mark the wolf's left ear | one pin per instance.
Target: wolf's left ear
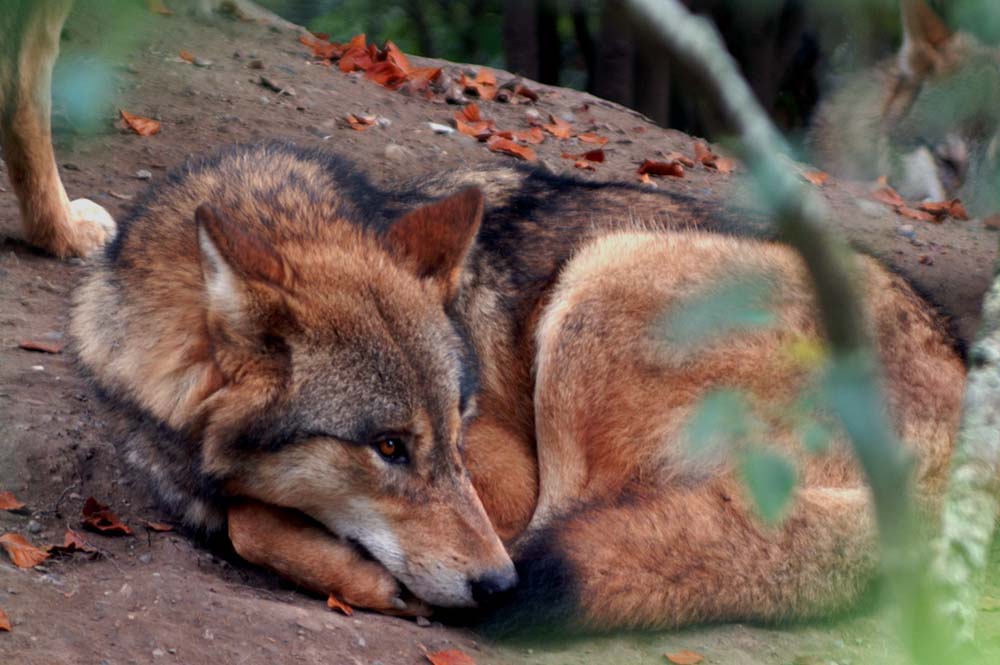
(924, 37)
(435, 239)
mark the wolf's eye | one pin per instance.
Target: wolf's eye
(392, 448)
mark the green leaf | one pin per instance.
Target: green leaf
(722, 418)
(770, 478)
(732, 304)
(816, 437)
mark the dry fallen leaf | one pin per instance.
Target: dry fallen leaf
(21, 552)
(484, 85)
(360, 122)
(590, 156)
(723, 165)
(817, 178)
(952, 208)
(680, 157)
(40, 347)
(500, 144)
(159, 527)
(139, 125)
(644, 179)
(883, 193)
(661, 168)
(469, 113)
(97, 517)
(534, 135)
(186, 56)
(684, 657)
(919, 215)
(592, 138)
(559, 128)
(4, 622)
(702, 153)
(450, 657)
(526, 92)
(72, 542)
(583, 164)
(335, 603)
(9, 502)
(157, 7)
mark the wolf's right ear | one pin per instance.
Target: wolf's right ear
(232, 260)
(924, 37)
(435, 239)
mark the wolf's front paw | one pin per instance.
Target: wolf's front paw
(90, 228)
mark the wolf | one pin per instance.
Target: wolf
(928, 119)
(29, 46)
(456, 392)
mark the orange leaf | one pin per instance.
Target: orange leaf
(481, 130)
(958, 210)
(883, 193)
(41, 347)
(533, 135)
(702, 153)
(159, 527)
(524, 91)
(484, 85)
(397, 57)
(953, 208)
(582, 164)
(559, 128)
(500, 144)
(386, 73)
(723, 164)
(592, 155)
(680, 157)
(157, 7)
(21, 552)
(419, 78)
(450, 657)
(661, 168)
(817, 178)
(4, 622)
(592, 138)
(97, 517)
(644, 179)
(335, 603)
(469, 113)
(919, 215)
(9, 502)
(360, 122)
(139, 125)
(187, 56)
(684, 657)
(72, 542)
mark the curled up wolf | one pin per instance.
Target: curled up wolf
(457, 393)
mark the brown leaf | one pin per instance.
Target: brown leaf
(360, 122)
(72, 542)
(186, 56)
(817, 178)
(500, 144)
(139, 125)
(157, 7)
(723, 165)
(21, 552)
(952, 208)
(590, 156)
(481, 130)
(9, 502)
(592, 138)
(484, 85)
(533, 135)
(450, 657)
(958, 210)
(583, 164)
(661, 168)
(40, 347)
(644, 179)
(159, 527)
(684, 657)
(335, 603)
(919, 215)
(525, 91)
(469, 113)
(883, 193)
(97, 517)
(702, 153)
(559, 128)
(4, 622)
(386, 73)
(680, 157)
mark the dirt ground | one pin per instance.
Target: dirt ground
(161, 597)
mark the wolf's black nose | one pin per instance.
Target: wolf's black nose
(493, 584)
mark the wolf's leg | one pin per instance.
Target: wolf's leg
(300, 551)
(29, 45)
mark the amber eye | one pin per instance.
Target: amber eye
(392, 448)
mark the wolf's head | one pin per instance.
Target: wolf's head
(345, 387)
(942, 114)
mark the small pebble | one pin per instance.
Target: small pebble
(441, 129)
(143, 174)
(423, 622)
(383, 122)
(201, 62)
(159, 653)
(907, 231)
(34, 527)
(361, 642)
(145, 558)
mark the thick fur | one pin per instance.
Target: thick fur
(928, 119)
(275, 314)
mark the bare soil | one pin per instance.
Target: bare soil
(162, 597)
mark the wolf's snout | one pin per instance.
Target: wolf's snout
(488, 587)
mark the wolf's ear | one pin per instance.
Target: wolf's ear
(924, 37)
(435, 239)
(232, 260)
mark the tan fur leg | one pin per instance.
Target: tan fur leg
(280, 539)
(30, 31)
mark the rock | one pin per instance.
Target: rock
(383, 122)
(907, 231)
(361, 642)
(201, 62)
(441, 129)
(143, 174)
(423, 622)
(208, 634)
(397, 152)
(145, 558)
(159, 653)
(33, 527)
